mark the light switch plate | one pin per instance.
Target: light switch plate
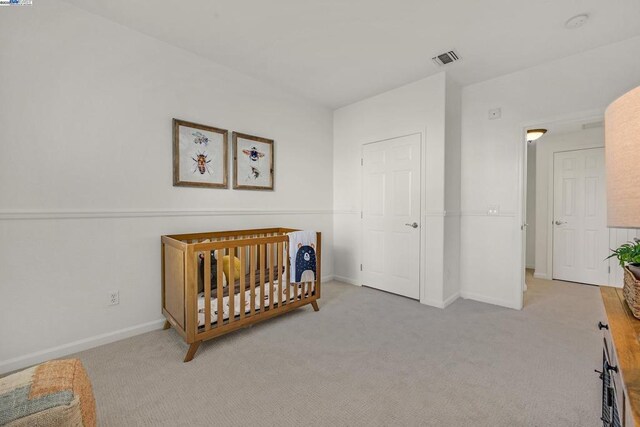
(493, 210)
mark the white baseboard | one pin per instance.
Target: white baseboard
(446, 303)
(489, 300)
(440, 304)
(34, 358)
(76, 346)
(537, 275)
(346, 280)
(431, 303)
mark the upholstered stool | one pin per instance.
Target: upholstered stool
(55, 393)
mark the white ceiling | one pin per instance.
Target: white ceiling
(572, 126)
(335, 52)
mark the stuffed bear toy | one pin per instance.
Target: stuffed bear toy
(213, 280)
(226, 266)
(306, 263)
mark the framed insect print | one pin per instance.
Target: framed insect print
(252, 162)
(200, 155)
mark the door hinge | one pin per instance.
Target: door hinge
(609, 268)
(361, 162)
(360, 267)
(361, 214)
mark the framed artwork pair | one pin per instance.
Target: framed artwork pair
(201, 158)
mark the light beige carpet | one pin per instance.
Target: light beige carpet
(369, 358)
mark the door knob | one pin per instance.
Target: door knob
(602, 326)
(560, 222)
(414, 225)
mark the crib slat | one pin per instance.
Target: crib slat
(252, 277)
(243, 265)
(232, 284)
(220, 290)
(207, 290)
(262, 256)
(279, 273)
(271, 284)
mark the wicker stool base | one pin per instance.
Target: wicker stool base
(631, 292)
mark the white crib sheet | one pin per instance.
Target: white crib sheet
(247, 299)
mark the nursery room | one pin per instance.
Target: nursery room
(319, 213)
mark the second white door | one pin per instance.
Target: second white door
(580, 234)
(391, 215)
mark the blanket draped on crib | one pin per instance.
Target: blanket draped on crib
(302, 256)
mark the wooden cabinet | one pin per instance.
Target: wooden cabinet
(621, 359)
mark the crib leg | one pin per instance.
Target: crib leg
(166, 326)
(314, 304)
(192, 351)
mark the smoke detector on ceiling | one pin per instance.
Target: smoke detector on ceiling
(446, 58)
(576, 21)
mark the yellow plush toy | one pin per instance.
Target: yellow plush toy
(236, 265)
(225, 268)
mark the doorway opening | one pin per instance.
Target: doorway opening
(564, 230)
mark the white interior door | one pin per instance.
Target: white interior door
(391, 215)
(580, 234)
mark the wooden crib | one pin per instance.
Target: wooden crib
(260, 252)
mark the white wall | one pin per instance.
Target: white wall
(86, 181)
(492, 153)
(415, 108)
(531, 206)
(547, 146)
(618, 236)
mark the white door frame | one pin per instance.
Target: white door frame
(521, 230)
(422, 266)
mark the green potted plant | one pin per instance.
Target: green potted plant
(629, 256)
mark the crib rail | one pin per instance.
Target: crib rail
(261, 290)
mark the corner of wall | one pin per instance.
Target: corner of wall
(452, 202)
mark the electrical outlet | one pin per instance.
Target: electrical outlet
(493, 210)
(495, 113)
(114, 297)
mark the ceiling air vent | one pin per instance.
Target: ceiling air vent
(593, 125)
(446, 58)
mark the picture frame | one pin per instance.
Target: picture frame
(200, 155)
(253, 162)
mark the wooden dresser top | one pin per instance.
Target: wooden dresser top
(625, 332)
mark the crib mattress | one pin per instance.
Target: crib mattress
(247, 299)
